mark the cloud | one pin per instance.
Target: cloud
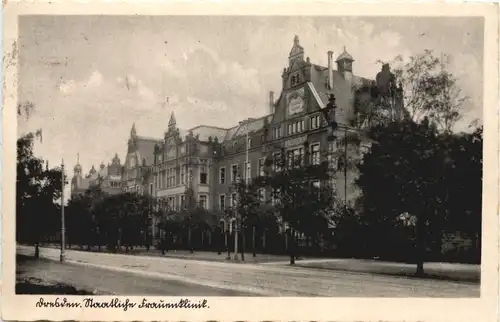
(67, 87)
(202, 69)
(95, 79)
(70, 86)
(205, 105)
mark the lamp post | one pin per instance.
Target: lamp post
(63, 226)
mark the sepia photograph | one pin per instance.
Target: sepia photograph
(211, 156)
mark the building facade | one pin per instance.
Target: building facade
(208, 160)
(108, 178)
(203, 163)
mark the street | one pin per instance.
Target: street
(132, 275)
(101, 281)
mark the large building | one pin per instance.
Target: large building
(108, 178)
(206, 160)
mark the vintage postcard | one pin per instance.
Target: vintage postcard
(250, 161)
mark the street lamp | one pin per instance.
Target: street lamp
(63, 226)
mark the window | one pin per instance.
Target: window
(262, 167)
(289, 158)
(314, 122)
(262, 194)
(183, 173)
(295, 157)
(203, 174)
(171, 203)
(296, 127)
(234, 200)
(275, 197)
(203, 200)
(249, 143)
(234, 172)
(277, 132)
(298, 157)
(222, 202)
(316, 185)
(315, 154)
(248, 171)
(162, 179)
(277, 161)
(170, 177)
(151, 189)
(222, 175)
(183, 201)
(332, 161)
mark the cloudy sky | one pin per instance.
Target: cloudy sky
(91, 77)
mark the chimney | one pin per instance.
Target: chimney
(271, 102)
(330, 70)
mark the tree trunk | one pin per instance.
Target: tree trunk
(227, 246)
(37, 250)
(209, 238)
(286, 243)
(242, 243)
(420, 245)
(264, 240)
(253, 242)
(189, 241)
(220, 243)
(202, 238)
(292, 248)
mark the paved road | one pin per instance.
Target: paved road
(265, 280)
(101, 281)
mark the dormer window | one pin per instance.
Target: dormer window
(295, 79)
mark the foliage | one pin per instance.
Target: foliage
(36, 188)
(414, 169)
(302, 194)
(426, 89)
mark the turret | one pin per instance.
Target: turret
(344, 64)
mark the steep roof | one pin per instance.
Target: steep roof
(205, 131)
(342, 89)
(145, 149)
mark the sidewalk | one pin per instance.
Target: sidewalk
(443, 271)
(196, 255)
(433, 270)
(260, 279)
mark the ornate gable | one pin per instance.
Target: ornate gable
(297, 51)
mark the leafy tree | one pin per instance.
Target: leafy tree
(36, 188)
(170, 222)
(302, 196)
(425, 87)
(418, 170)
(81, 223)
(247, 206)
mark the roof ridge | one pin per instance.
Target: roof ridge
(213, 127)
(148, 138)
